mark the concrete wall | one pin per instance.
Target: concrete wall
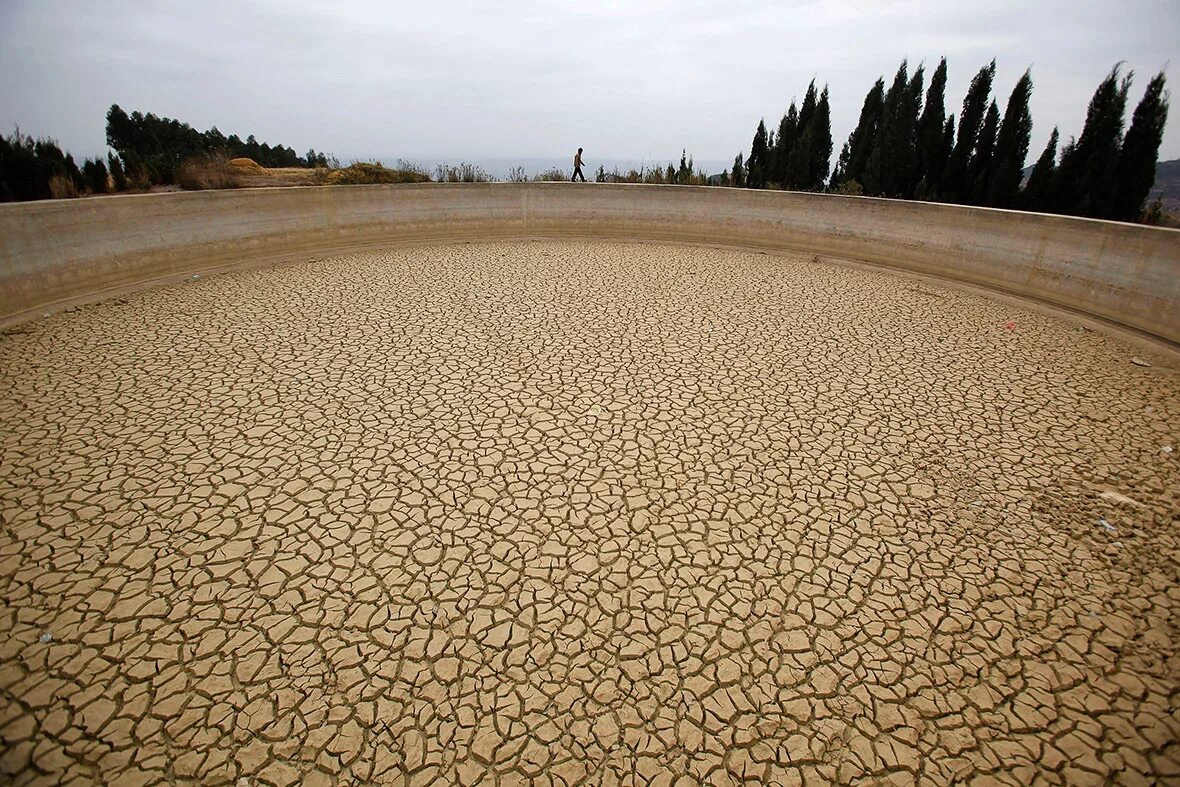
(58, 252)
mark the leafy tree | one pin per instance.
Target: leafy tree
(738, 176)
(1137, 161)
(1088, 173)
(855, 153)
(756, 164)
(22, 176)
(979, 168)
(313, 159)
(956, 186)
(94, 171)
(1011, 146)
(152, 148)
(931, 157)
(34, 168)
(118, 178)
(1037, 193)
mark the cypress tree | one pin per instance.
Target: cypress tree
(94, 173)
(756, 164)
(890, 167)
(879, 166)
(838, 172)
(797, 174)
(799, 162)
(908, 172)
(948, 137)
(855, 153)
(956, 185)
(820, 144)
(1066, 180)
(930, 156)
(787, 132)
(807, 111)
(1086, 177)
(769, 166)
(980, 168)
(1136, 170)
(1011, 146)
(1037, 192)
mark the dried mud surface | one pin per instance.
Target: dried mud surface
(582, 513)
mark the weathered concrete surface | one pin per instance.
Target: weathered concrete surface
(584, 513)
(59, 252)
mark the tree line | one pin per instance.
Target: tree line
(904, 146)
(907, 147)
(154, 147)
(148, 151)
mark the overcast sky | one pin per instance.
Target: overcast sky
(487, 79)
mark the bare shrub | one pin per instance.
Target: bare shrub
(552, 174)
(464, 173)
(850, 187)
(360, 173)
(417, 169)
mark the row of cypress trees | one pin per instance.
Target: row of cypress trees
(798, 156)
(907, 147)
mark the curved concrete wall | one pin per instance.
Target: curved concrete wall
(66, 251)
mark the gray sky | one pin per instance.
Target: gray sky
(449, 79)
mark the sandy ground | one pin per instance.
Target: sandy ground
(584, 514)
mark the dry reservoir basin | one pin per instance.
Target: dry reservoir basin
(565, 484)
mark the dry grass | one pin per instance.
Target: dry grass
(282, 176)
(364, 172)
(197, 174)
(245, 164)
(553, 174)
(62, 187)
(214, 173)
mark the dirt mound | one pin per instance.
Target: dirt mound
(245, 164)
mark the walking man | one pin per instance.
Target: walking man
(578, 167)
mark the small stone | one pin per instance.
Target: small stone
(1135, 359)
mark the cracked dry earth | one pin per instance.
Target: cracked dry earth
(584, 513)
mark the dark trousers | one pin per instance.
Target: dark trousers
(578, 174)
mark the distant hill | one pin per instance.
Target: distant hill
(1167, 184)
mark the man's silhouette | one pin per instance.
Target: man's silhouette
(578, 167)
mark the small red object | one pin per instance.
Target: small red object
(1010, 325)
